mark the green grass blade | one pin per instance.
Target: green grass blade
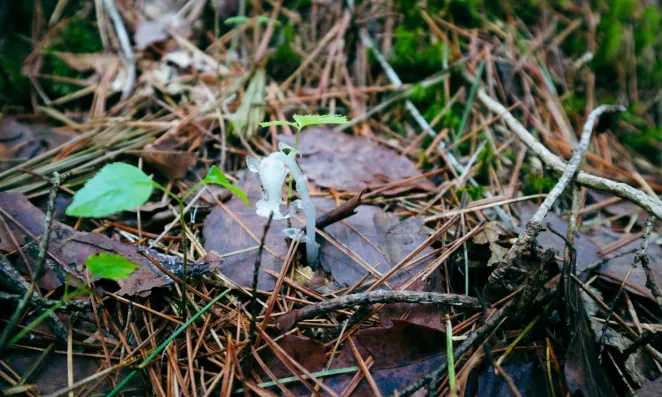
(293, 379)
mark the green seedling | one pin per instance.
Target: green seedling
(120, 187)
(302, 121)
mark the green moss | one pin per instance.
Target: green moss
(535, 184)
(647, 143)
(285, 60)
(475, 192)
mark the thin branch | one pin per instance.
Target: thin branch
(651, 204)
(125, 44)
(56, 325)
(535, 224)
(288, 320)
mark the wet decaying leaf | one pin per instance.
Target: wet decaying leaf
(20, 142)
(307, 352)
(529, 378)
(583, 370)
(638, 366)
(236, 229)
(336, 160)
(74, 248)
(401, 352)
(51, 375)
(381, 239)
(587, 250)
(619, 266)
(166, 159)
(141, 282)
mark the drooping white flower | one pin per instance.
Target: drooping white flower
(272, 173)
(273, 170)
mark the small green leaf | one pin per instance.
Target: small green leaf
(110, 266)
(236, 20)
(278, 122)
(117, 187)
(217, 177)
(315, 119)
(242, 19)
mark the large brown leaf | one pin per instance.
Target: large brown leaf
(22, 142)
(403, 353)
(374, 236)
(336, 160)
(72, 249)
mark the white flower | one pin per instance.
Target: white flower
(272, 173)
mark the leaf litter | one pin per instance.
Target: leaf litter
(201, 90)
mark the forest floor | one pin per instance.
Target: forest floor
(486, 201)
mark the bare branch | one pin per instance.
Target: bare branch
(651, 204)
(535, 224)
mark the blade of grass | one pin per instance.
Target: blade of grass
(291, 379)
(470, 100)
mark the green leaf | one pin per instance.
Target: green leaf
(110, 266)
(240, 20)
(278, 122)
(315, 119)
(236, 20)
(117, 187)
(217, 177)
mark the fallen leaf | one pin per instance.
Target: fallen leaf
(74, 249)
(638, 365)
(173, 163)
(340, 161)
(529, 379)
(583, 371)
(31, 221)
(148, 33)
(142, 281)
(251, 111)
(51, 375)
(650, 388)
(489, 234)
(617, 268)
(383, 239)
(20, 142)
(99, 62)
(587, 250)
(378, 238)
(498, 253)
(402, 354)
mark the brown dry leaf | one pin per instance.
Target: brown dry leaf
(383, 240)
(489, 234)
(587, 250)
(402, 353)
(98, 62)
(618, 267)
(141, 282)
(236, 230)
(20, 142)
(173, 163)
(336, 160)
(74, 248)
